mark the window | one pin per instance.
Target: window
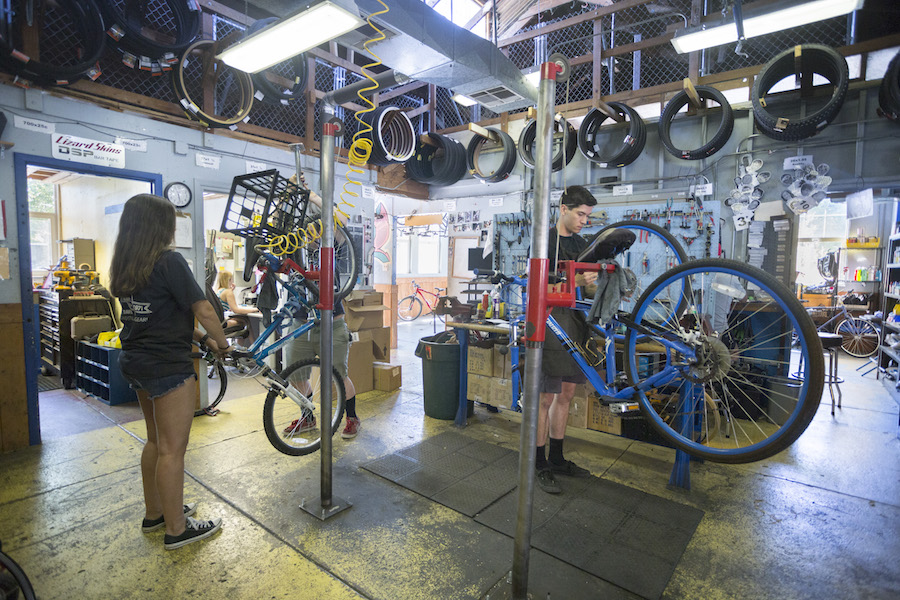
(42, 213)
(421, 251)
(820, 231)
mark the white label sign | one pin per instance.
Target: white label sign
(254, 166)
(496, 201)
(368, 191)
(704, 189)
(797, 162)
(622, 190)
(133, 145)
(34, 125)
(207, 161)
(449, 205)
(742, 220)
(67, 147)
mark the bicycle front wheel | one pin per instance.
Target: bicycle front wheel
(292, 417)
(860, 338)
(346, 258)
(722, 381)
(653, 253)
(409, 308)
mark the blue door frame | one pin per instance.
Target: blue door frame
(23, 227)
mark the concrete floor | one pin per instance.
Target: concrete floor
(820, 521)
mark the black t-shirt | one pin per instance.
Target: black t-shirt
(158, 322)
(557, 361)
(569, 247)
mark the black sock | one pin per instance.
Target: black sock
(556, 451)
(351, 407)
(540, 459)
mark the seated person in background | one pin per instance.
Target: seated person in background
(225, 281)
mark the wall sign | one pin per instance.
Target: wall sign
(76, 149)
(133, 145)
(797, 162)
(623, 190)
(207, 161)
(254, 166)
(34, 124)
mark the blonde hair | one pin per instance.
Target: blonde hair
(224, 279)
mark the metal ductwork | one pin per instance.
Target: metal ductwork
(423, 45)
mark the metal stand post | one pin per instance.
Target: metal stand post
(329, 505)
(536, 317)
(692, 402)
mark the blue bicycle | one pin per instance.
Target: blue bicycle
(707, 355)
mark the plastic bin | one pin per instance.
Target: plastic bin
(440, 376)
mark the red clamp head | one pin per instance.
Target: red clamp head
(549, 70)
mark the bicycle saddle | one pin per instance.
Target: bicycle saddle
(607, 244)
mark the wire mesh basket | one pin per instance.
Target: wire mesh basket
(264, 205)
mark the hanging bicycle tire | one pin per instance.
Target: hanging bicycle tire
(721, 387)
(718, 140)
(152, 39)
(393, 136)
(565, 151)
(508, 161)
(441, 163)
(815, 58)
(346, 258)
(69, 35)
(281, 83)
(294, 429)
(232, 95)
(656, 247)
(889, 91)
(632, 145)
(216, 385)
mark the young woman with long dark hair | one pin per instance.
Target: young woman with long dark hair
(160, 299)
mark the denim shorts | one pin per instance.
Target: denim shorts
(159, 386)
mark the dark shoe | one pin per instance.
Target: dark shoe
(569, 468)
(547, 482)
(194, 531)
(149, 525)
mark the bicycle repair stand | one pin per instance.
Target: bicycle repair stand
(328, 505)
(691, 395)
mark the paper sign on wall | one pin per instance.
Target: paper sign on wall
(83, 150)
(623, 190)
(133, 145)
(208, 161)
(797, 162)
(449, 205)
(254, 166)
(34, 124)
(368, 191)
(496, 202)
(704, 189)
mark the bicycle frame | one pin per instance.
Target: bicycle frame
(420, 291)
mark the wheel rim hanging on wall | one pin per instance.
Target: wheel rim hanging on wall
(233, 89)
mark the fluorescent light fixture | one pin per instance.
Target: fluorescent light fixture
(292, 35)
(464, 100)
(772, 18)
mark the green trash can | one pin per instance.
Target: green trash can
(440, 376)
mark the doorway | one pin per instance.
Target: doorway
(64, 208)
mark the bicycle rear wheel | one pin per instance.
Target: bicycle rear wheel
(718, 384)
(346, 258)
(216, 384)
(409, 308)
(292, 425)
(13, 579)
(652, 254)
(860, 337)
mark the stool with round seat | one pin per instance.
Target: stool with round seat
(831, 344)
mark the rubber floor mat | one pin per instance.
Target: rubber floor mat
(622, 535)
(47, 383)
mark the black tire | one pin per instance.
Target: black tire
(126, 23)
(632, 144)
(294, 71)
(217, 383)
(346, 259)
(393, 136)
(889, 91)
(718, 141)
(473, 150)
(816, 58)
(441, 164)
(409, 308)
(564, 153)
(20, 579)
(279, 410)
(739, 329)
(72, 40)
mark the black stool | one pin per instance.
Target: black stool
(831, 344)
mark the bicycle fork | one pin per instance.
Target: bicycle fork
(283, 387)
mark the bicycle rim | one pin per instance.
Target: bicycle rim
(216, 384)
(295, 429)
(737, 394)
(346, 260)
(21, 579)
(653, 253)
(409, 308)
(860, 338)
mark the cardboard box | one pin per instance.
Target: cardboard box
(360, 367)
(501, 393)
(502, 367)
(373, 298)
(578, 413)
(481, 361)
(387, 377)
(601, 419)
(478, 388)
(380, 338)
(364, 317)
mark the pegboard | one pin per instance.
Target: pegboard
(512, 232)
